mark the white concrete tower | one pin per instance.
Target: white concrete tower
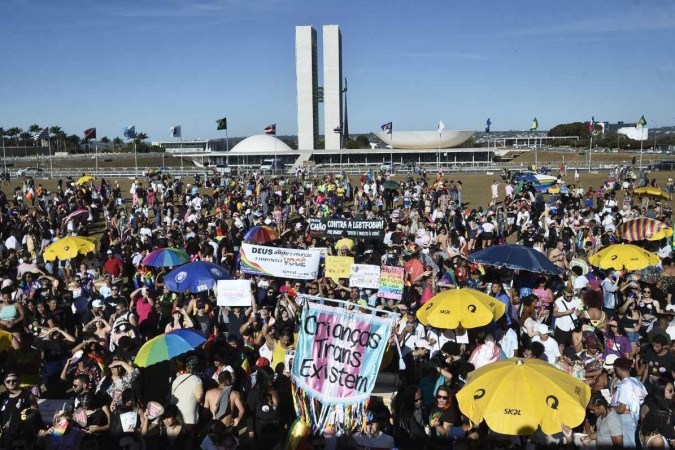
(307, 83)
(332, 85)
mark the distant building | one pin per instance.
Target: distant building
(196, 146)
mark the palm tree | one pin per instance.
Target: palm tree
(140, 137)
(55, 131)
(14, 132)
(74, 140)
(34, 130)
(105, 139)
(117, 143)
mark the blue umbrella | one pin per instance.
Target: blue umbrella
(514, 256)
(195, 277)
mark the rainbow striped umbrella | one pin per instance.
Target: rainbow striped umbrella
(166, 257)
(167, 346)
(261, 234)
(643, 228)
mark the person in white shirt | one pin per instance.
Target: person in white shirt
(495, 191)
(550, 344)
(565, 313)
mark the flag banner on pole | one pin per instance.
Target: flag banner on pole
(336, 362)
(488, 122)
(222, 124)
(42, 135)
(535, 125)
(271, 129)
(90, 133)
(642, 122)
(387, 127)
(441, 126)
(129, 132)
(176, 131)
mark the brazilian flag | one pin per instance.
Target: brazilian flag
(222, 124)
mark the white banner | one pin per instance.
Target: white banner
(233, 293)
(365, 276)
(290, 263)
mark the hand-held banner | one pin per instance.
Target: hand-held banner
(356, 229)
(391, 282)
(338, 353)
(290, 263)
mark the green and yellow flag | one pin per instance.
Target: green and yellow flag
(535, 125)
(222, 124)
(642, 122)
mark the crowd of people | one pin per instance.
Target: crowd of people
(73, 327)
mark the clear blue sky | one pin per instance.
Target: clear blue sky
(158, 63)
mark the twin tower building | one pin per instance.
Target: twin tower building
(310, 94)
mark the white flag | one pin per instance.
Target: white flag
(441, 126)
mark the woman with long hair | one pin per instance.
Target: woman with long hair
(443, 414)
(410, 418)
(171, 432)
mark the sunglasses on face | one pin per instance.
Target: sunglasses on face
(442, 397)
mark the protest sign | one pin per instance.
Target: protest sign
(233, 293)
(365, 276)
(356, 229)
(338, 354)
(290, 263)
(339, 266)
(391, 282)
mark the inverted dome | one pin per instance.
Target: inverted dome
(262, 143)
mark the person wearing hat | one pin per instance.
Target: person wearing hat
(627, 399)
(372, 436)
(550, 344)
(112, 265)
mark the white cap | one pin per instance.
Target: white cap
(423, 343)
(543, 329)
(98, 303)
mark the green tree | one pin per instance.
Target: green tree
(14, 132)
(25, 137)
(117, 143)
(55, 132)
(105, 139)
(73, 141)
(34, 130)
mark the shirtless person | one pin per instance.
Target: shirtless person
(224, 402)
(557, 255)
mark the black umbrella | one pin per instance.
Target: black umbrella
(389, 184)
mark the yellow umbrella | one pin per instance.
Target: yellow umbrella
(84, 179)
(516, 396)
(69, 247)
(466, 308)
(652, 192)
(5, 340)
(624, 256)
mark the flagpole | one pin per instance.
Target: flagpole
(51, 165)
(642, 139)
(96, 152)
(590, 154)
(4, 156)
(181, 153)
(135, 160)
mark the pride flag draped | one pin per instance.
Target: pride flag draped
(337, 358)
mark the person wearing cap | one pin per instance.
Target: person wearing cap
(112, 265)
(550, 344)
(627, 399)
(373, 437)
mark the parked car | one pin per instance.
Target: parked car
(388, 167)
(34, 172)
(272, 166)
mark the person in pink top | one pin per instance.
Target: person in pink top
(144, 306)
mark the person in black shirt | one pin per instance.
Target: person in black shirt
(658, 361)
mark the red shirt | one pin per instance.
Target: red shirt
(113, 266)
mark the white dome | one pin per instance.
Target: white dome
(261, 143)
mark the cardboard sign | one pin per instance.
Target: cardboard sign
(233, 293)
